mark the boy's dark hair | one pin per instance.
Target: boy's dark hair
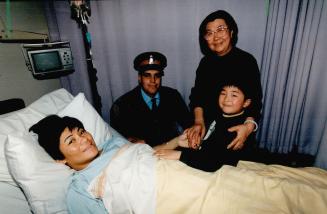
(219, 14)
(239, 83)
(49, 130)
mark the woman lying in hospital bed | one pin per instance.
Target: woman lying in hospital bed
(119, 177)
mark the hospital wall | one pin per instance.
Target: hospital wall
(16, 81)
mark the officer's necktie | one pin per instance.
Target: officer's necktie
(154, 104)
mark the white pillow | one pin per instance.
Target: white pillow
(81, 109)
(21, 120)
(34, 170)
(43, 181)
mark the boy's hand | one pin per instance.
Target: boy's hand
(169, 154)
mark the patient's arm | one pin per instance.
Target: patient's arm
(167, 150)
(170, 154)
(174, 143)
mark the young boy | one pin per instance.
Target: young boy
(216, 149)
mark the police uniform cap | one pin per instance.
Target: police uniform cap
(150, 61)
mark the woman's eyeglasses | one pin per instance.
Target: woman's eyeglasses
(220, 31)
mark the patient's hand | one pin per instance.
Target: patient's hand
(169, 154)
(183, 140)
(194, 135)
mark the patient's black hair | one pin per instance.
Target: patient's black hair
(49, 130)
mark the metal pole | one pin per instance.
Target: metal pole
(80, 13)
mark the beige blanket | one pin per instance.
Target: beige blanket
(137, 182)
(248, 188)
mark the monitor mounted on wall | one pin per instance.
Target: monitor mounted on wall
(48, 60)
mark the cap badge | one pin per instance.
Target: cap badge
(151, 61)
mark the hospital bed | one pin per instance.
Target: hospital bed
(31, 182)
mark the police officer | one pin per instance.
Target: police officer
(150, 113)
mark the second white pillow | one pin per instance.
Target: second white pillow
(81, 109)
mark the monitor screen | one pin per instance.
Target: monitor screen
(46, 61)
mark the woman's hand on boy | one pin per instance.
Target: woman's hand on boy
(243, 131)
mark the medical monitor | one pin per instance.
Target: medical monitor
(48, 60)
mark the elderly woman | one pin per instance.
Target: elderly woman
(117, 176)
(218, 34)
